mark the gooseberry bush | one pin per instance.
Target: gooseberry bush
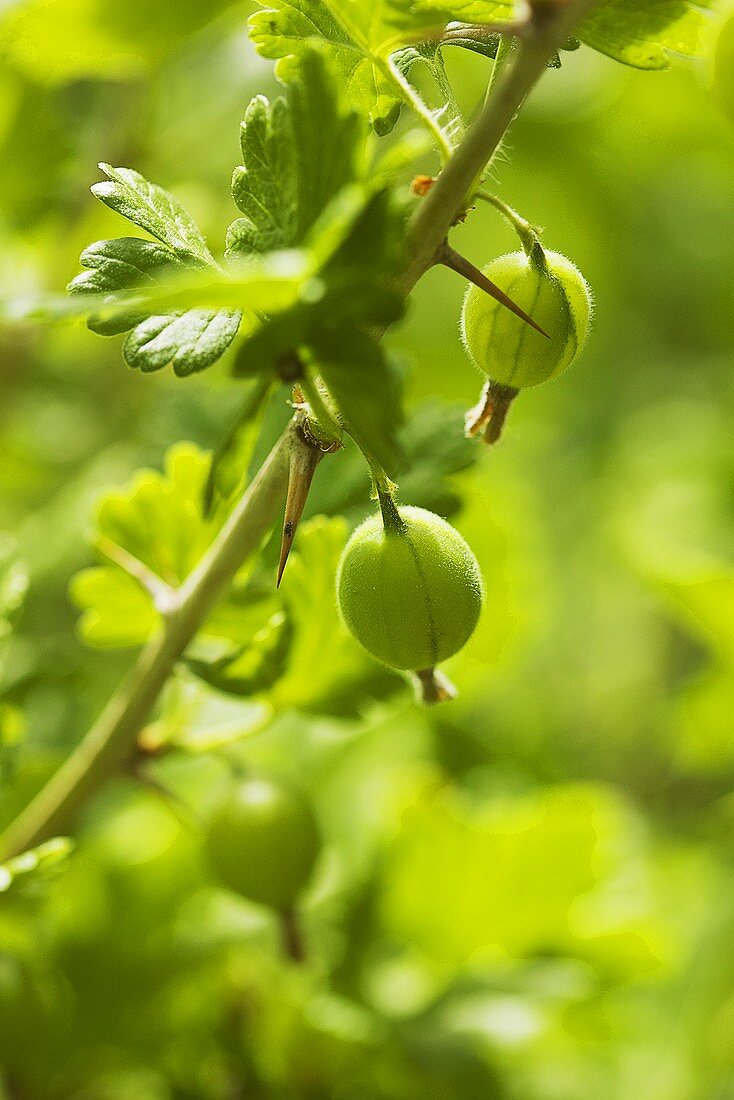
(352, 182)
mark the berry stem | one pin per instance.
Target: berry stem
(528, 234)
(294, 946)
(391, 518)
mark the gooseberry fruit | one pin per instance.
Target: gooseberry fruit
(263, 841)
(409, 588)
(553, 292)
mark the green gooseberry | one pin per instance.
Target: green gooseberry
(409, 588)
(262, 841)
(553, 292)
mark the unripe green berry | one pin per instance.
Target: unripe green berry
(263, 841)
(410, 592)
(557, 297)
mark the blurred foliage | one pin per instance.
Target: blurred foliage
(525, 894)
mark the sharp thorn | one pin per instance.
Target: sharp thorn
(449, 257)
(304, 459)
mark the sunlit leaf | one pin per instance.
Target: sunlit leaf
(298, 155)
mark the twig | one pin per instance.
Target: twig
(110, 744)
(447, 199)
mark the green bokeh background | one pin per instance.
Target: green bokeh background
(527, 893)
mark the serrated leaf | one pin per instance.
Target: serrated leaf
(265, 187)
(188, 340)
(117, 265)
(644, 35)
(298, 155)
(639, 34)
(359, 39)
(284, 31)
(330, 335)
(155, 210)
(157, 520)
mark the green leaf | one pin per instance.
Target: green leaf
(152, 533)
(116, 611)
(118, 265)
(286, 29)
(156, 211)
(188, 340)
(158, 521)
(298, 155)
(252, 667)
(639, 34)
(329, 332)
(366, 390)
(265, 188)
(644, 35)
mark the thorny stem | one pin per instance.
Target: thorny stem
(305, 457)
(452, 192)
(111, 741)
